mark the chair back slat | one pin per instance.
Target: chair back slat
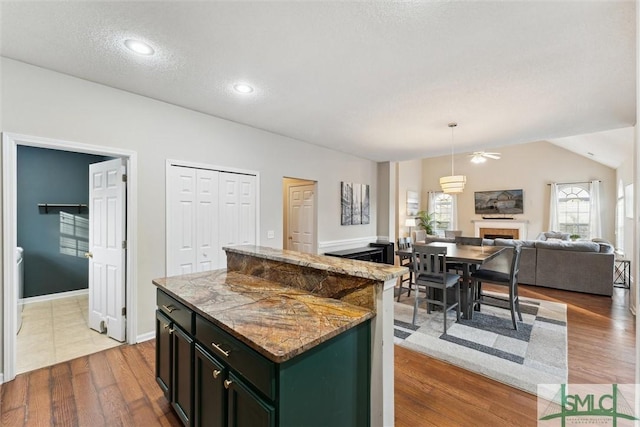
(404, 243)
(430, 262)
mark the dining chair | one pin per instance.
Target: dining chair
(405, 261)
(429, 269)
(471, 241)
(452, 233)
(508, 279)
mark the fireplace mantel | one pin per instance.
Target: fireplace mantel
(511, 224)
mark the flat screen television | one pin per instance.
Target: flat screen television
(499, 202)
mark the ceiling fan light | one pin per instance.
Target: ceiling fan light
(478, 159)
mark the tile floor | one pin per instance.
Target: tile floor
(55, 331)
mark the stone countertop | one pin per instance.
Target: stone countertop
(277, 321)
(364, 269)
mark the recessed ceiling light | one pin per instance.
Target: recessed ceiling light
(139, 47)
(242, 88)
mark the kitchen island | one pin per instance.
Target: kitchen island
(287, 333)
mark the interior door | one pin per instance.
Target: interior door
(192, 220)
(301, 218)
(237, 211)
(181, 221)
(208, 249)
(107, 205)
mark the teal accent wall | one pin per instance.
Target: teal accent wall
(53, 252)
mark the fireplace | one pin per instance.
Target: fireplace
(503, 229)
(499, 233)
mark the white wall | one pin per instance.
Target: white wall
(409, 179)
(529, 167)
(43, 103)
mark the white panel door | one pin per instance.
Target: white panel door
(107, 205)
(206, 236)
(247, 214)
(181, 221)
(237, 211)
(301, 219)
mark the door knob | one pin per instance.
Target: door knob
(88, 255)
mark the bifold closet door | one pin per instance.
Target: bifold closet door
(192, 223)
(237, 211)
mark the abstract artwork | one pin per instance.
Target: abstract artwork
(355, 205)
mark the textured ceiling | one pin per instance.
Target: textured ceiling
(380, 80)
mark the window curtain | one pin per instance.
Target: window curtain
(453, 225)
(431, 201)
(553, 208)
(595, 220)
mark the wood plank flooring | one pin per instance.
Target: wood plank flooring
(117, 386)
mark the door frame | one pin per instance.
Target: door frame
(10, 142)
(288, 182)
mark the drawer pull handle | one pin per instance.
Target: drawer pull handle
(216, 373)
(227, 383)
(171, 330)
(166, 326)
(170, 308)
(217, 347)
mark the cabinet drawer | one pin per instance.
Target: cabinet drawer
(254, 367)
(178, 312)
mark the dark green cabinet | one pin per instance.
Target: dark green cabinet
(182, 374)
(210, 396)
(174, 365)
(245, 408)
(163, 353)
(214, 380)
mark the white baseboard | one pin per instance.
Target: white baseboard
(336, 245)
(145, 337)
(59, 295)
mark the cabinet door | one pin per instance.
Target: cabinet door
(182, 374)
(210, 397)
(246, 409)
(163, 353)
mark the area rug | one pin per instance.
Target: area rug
(534, 354)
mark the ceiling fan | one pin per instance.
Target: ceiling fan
(482, 156)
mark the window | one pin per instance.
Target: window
(443, 211)
(620, 213)
(573, 209)
(74, 235)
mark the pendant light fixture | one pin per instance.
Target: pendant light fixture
(453, 183)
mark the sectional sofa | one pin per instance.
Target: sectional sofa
(580, 266)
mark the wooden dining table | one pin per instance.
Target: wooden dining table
(466, 255)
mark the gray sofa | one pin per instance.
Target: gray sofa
(580, 266)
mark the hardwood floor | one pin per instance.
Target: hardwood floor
(601, 349)
(117, 386)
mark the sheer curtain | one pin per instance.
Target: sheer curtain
(595, 221)
(453, 225)
(553, 208)
(431, 201)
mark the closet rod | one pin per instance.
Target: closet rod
(46, 206)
